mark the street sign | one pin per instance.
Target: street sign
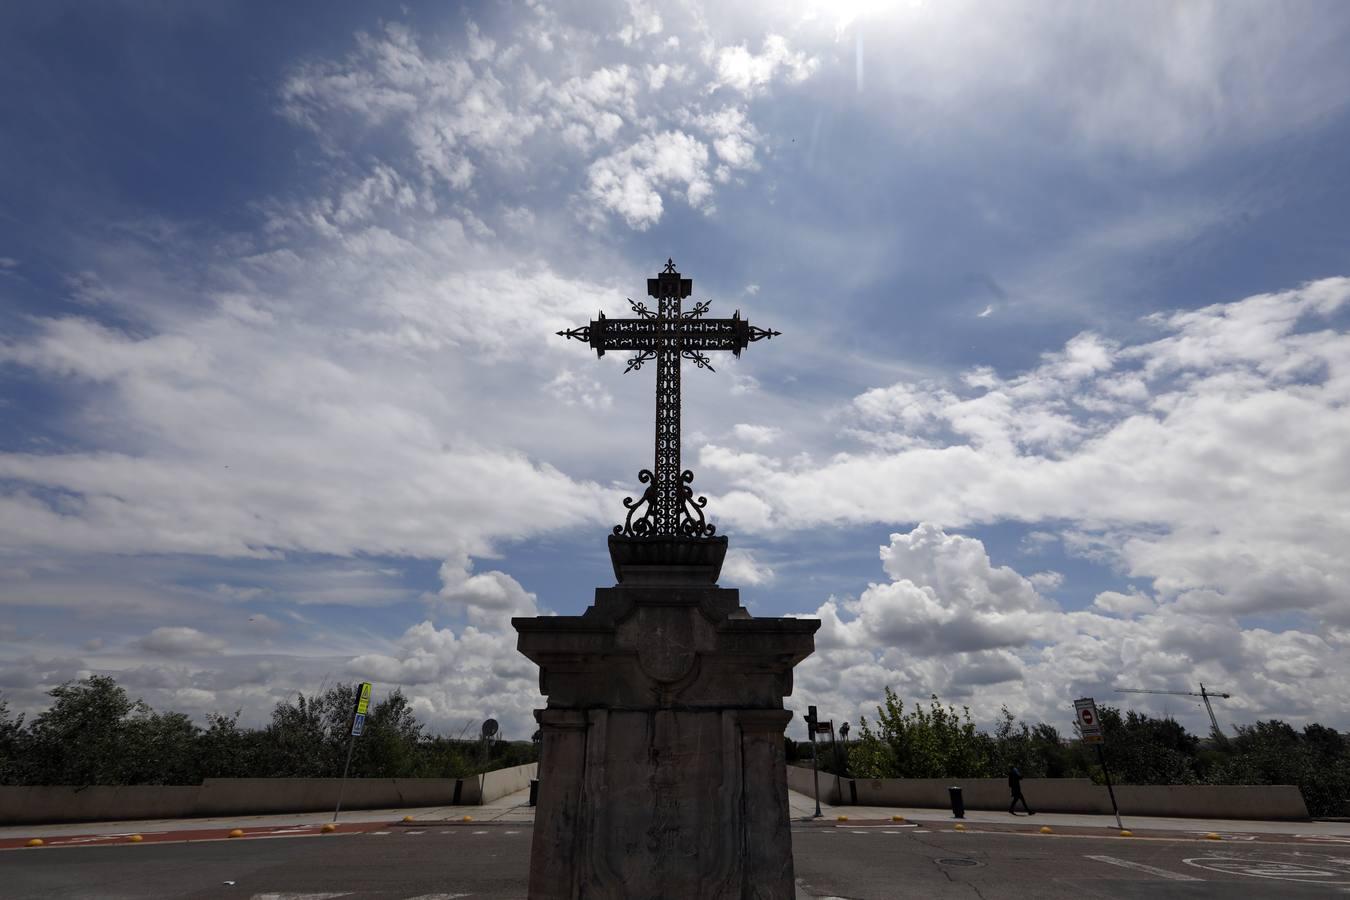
(1089, 723)
(363, 703)
(823, 727)
(358, 724)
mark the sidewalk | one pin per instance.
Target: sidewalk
(514, 809)
(803, 807)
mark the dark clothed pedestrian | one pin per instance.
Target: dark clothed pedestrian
(1015, 785)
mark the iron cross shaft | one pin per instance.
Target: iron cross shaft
(667, 507)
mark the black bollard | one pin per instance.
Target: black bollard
(534, 791)
(958, 803)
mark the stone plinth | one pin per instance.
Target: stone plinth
(662, 772)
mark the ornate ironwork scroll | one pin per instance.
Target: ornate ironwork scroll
(668, 508)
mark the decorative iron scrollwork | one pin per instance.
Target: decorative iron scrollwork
(577, 334)
(690, 521)
(668, 508)
(640, 308)
(637, 361)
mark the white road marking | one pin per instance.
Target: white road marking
(294, 896)
(513, 832)
(1152, 870)
(380, 832)
(480, 832)
(1277, 869)
(438, 896)
(414, 832)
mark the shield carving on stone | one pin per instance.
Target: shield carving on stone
(664, 637)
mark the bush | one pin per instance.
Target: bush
(93, 733)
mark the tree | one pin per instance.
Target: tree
(82, 738)
(389, 747)
(12, 740)
(1145, 750)
(937, 742)
(160, 748)
(224, 750)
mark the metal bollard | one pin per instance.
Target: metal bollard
(534, 791)
(958, 802)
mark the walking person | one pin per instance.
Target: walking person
(1015, 785)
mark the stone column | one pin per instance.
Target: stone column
(662, 773)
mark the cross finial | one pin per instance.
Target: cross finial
(668, 508)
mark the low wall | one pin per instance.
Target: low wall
(49, 804)
(498, 784)
(1236, 801)
(802, 781)
(1070, 795)
(251, 796)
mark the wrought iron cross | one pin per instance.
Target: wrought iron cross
(667, 507)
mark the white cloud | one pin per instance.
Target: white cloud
(630, 182)
(750, 73)
(1168, 83)
(1120, 604)
(742, 568)
(1156, 453)
(951, 623)
(452, 680)
(484, 597)
(179, 641)
(757, 434)
(645, 21)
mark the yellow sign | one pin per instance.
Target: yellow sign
(364, 703)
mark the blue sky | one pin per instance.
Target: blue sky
(1059, 403)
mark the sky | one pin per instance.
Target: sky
(1059, 403)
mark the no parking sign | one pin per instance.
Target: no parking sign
(1089, 725)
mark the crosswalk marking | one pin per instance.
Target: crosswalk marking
(1152, 870)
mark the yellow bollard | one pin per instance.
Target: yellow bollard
(467, 819)
(329, 828)
(238, 832)
(897, 818)
(958, 827)
(135, 838)
(841, 818)
(1125, 832)
(407, 818)
(35, 842)
(1213, 836)
(1046, 829)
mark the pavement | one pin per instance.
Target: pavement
(435, 854)
(515, 809)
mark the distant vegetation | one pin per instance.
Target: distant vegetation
(942, 742)
(94, 733)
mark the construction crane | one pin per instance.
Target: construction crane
(1202, 694)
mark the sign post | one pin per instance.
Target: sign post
(358, 728)
(1090, 726)
(815, 772)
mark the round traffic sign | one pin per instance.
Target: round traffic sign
(1086, 715)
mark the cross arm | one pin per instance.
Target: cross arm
(644, 334)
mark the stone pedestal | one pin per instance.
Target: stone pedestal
(662, 772)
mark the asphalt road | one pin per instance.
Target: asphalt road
(438, 862)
